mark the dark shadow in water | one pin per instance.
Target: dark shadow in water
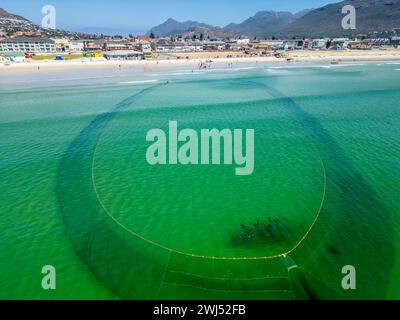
(133, 269)
(360, 226)
(98, 242)
(262, 233)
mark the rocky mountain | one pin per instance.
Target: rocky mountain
(372, 16)
(262, 24)
(208, 33)
(302, 13)
(11, 24)
(6, 15)
(172, 27)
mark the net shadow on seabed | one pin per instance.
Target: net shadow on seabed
(127, 262)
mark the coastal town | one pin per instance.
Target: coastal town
(26, 46)
(22, 41)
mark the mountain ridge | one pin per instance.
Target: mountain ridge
(378, 16)
(172, 27)
(371, 16)
(7, 15)
(12, 23)
(264, 23)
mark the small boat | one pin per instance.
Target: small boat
(335, 62)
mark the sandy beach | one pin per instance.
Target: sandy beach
(192, 60)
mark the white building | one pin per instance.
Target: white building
(339, 43)
(124, 55)
(214, 45)
(243, 41)
(290, 44)
(27, 44)
(76, 46)
(62, 45)
(274, 44)
(119, 45)
(319, 44)
(164, 45)
(395, 41)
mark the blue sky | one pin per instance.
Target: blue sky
(133, 16)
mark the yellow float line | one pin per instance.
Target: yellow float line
(284, 254)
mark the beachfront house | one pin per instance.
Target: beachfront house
(143, 39)
(62, 45)
(116, 45)
(274, 44)
(360, 44)
(289, 44)
(380, 42)
(293, 44)
(94, 45)
(214, 45)
(145, 46)
(165, 45)
(258, 45)
(319, 44)
(301, 44)
(395, 42)
(124, 55)
(34, 45)
(76, 46)
(235, 45)
(339, 43)
(194, 46)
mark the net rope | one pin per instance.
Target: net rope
(154, 243)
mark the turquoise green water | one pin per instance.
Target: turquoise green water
(78, 193)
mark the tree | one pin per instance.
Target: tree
(328, 44)
(152, 36)
(201, 36)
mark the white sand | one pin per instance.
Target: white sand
(196, 58)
